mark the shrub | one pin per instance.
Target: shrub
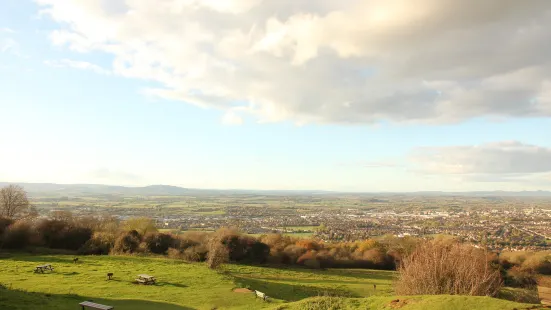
(75, 237)
(17, 236)
(217, 251)
(259, 252)
(517, 277)
(62, 234)
(99, 244)
(128, 242)
(174, 253)
(538, 263)
(455, 269)
(293, 252)
(196, 253)
(158, 243)
(4, 223)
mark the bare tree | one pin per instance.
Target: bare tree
(13, 200)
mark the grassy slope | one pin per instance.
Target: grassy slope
(438, 302)
(192, 286)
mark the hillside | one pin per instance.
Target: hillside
(192, 286)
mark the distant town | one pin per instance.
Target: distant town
(496, 221)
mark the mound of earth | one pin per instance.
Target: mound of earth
(242, 290)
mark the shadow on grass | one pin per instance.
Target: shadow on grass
(291, 292)
(68, 273)
(171, 284)
(361, 274)
(524, 295)
(22, 300)
(364, 274)
(41, 259)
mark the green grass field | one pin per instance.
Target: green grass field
(184, 285)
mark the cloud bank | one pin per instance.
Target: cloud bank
(350, 61)
(500, 161)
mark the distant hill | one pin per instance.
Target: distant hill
(51, 189)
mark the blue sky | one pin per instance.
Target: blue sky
(82, 105)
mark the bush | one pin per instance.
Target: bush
(174, 253)
(127, 242)
(62, 234)
(99, 244)
(4, 223)
(217, 252)
(293, 252)
(456, 269)
(75, 237)
(196, 253)
(158, 243)
(17, 236)
(259, 252)
(517, 277)
(538, 263)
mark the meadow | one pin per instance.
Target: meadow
(183, 285)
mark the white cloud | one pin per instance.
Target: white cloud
(7, 30)
(500, 161)
(82, 65)
(231, 118)
(350, 61)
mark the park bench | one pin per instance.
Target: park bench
(43, 268)
(93, 305)
(145, 279)
(261, 295)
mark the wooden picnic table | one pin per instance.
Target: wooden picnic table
(146, 279)
(42, 268)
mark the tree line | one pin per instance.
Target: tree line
(107, 235)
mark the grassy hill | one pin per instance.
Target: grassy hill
(192, 286)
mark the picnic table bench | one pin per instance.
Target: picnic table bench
(42, 268)
(261, 295)
(93, 305)
(146, 279)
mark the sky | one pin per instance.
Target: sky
(350, 95)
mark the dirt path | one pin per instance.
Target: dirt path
(242, 290)
(545, 295)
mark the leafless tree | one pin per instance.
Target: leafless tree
(13, 200)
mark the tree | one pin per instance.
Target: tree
(13, 200)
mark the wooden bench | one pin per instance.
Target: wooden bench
(42, 268)
(146, 279)
(93, 305)
(261, 295)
